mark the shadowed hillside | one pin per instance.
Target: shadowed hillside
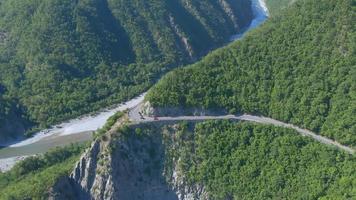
(63, 58)
(299, 67)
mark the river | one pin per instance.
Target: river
(260, 11)
(73, 131)
(82, 128)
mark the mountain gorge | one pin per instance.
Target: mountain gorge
(299, 67)
(276, 6)
(209, 160)
(60, 59)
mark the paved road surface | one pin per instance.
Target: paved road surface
(135, 116)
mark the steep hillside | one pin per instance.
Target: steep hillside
(3, 106)
(11, 118)
(275, 6)
(210, 160)
(33, 177)
(62, 58)
(299, 67)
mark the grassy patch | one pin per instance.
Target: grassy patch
(33, 177)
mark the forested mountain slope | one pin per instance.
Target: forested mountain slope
(62, 58)
(209, 160)
(31, 178)
(275, 6)
(299, 67)
(11, 118)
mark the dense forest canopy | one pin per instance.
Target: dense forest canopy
(33, 177)
(58, 58)
(3, 105)
(230, 160)
(299, 67)
(63, 58)
(3, 108)
(276, 6)
(247, 160)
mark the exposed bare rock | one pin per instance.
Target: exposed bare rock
(186, 191)
(129, 167)
(84, 173)
(148, 110)
(228, 10)
(63, 189)
(184, 40)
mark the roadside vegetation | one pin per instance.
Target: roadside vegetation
(252, 161)
(299, 67)
(109, 123)
(238, 160)
(62, 58)
(33, 177)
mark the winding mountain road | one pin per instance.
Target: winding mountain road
(136, 116)
(83, 126)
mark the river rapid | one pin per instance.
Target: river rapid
(81, 129)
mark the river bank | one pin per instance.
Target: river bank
(81, 129)
(73, 131)
(261, 14)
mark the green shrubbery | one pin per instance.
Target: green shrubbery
(251, 161)
(109, 123)
(62, 58)
(32, 177)
(299, 67)
(241, 160)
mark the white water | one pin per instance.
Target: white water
(260, 12)
(82, 124)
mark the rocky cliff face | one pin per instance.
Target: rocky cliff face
(81, 46)
(132, 164)
(148, 110)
